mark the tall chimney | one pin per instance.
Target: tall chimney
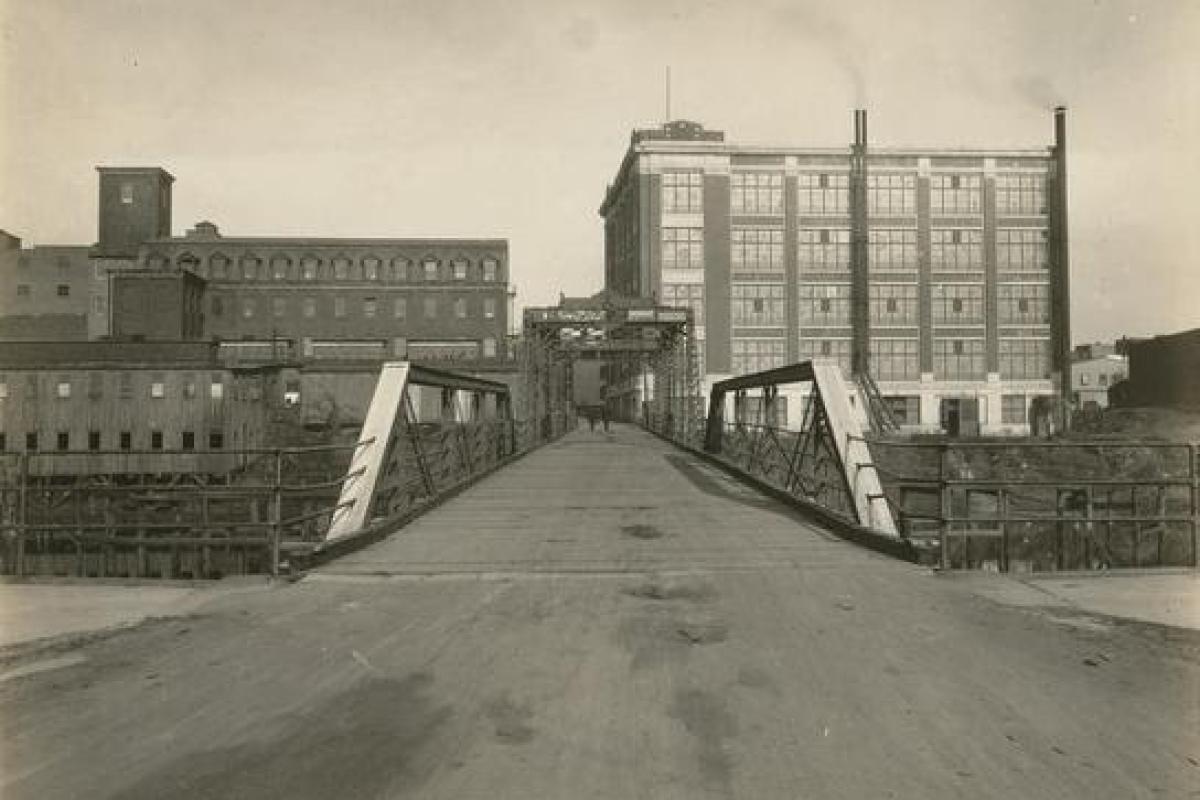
(1060, 285)
(860, 308)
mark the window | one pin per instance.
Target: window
(125, 386)
(686, 295)
(218, 307)
(1024, 303)
(3, 390)
(826, 250)
(219, 265)
(125, 440)
(823, 194)
(63, 440)
(956, 249)
(430, 305)
(682, 192)
(3, 441)
(1102, 379)
(460, 269)
(957, 303)
(31, 441)
(247, 307)
(1025, 358)
(1021, 249)
(891, 195)
(399, 271)
(309, 305)
(756, 193)
(371, 268)
(216, 440)
(158, 387)
(127, 194)
(93, 440)
(23, 290)
(399, 307)
(1020, 195)
(683, 248)
(490, 270)
(824, 305)
(63, 390)
(63, 290)
(893, 303)
(216, 387)
(489, 308)
(757, 249)
(905, 408)
(827, 349)
(31, 387)
(955, 194)
(278, 306)
(460, 308)
(339, 306)
(189, 387)
(308, 267)
(341, 268)
(958, 358)
(251, 266)
(156, 440)
(370, 307)
(756, 355)
(1084, 379)
(187, 440)
(489, 348)
(892, 248)
(1012, 409)
(430, 267)
(895, 359)
(758, 304)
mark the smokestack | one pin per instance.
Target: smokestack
(1060, 286)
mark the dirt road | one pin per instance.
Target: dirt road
(609, 618)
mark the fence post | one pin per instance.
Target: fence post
(1002, 507)
(1194, 469)
(276, 513)
(22, 511)
(945, 505)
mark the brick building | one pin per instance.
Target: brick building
(941, 273)
(44, 291)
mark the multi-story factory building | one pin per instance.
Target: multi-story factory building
(940, 273)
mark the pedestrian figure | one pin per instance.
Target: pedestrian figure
(591, 415)
(604, 416)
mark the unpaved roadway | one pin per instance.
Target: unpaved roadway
(609, 618)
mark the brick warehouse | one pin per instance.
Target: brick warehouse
(944, 275)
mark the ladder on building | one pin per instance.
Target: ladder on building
(879, 413)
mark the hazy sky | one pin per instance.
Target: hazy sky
(507, 119)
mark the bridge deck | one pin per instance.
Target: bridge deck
(611, 618)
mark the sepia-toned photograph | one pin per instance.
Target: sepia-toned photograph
(658, 399)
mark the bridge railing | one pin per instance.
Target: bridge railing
(1027, 506)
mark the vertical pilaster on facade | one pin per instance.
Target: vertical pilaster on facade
(925, 269)
(646, 217)
(1060, 262)
(718, 327)
(654, 235)
(860, 280)
(791, 244)
(991, 290)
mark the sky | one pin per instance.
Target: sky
(397, 118)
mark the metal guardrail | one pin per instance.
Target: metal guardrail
(1047, 506)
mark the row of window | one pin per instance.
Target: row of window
(888, 194)
(899, 359)
(828, 305)
(25, 290)
(64, 387)
(370, 307)
(124, 441)
(760, 249)
(1014, 409)
(249, 267)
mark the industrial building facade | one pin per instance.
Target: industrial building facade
(940, 273)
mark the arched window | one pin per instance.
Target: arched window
(219, 266)
(399, 270)
(429, 268)
(187, 261)
(356, 271)
(309, 267)
(341, 268)
(281, 265)
(370, 268)
(250, 267)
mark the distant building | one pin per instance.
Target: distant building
(1092, 377)
(44, 291)
(1164, 372)
(941, 273)
(131, 400)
